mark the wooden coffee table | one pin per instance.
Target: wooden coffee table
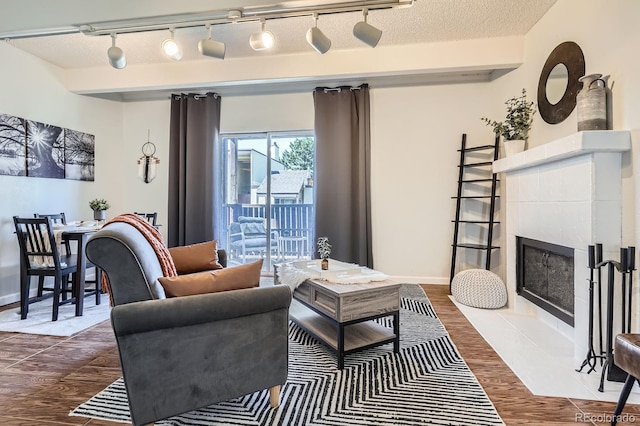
(341, 315)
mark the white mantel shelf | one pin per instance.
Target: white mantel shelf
(571, 146)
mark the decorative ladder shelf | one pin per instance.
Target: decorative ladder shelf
(481, 184)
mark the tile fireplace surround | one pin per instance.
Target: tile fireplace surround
(567, 192)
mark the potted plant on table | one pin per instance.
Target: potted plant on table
(515, 128)
(99, 207)
(324, 250)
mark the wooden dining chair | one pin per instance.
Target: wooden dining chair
(57, 219)
(152, 218)
(40, 257)
(60, 219)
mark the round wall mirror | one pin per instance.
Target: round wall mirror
(559, 84)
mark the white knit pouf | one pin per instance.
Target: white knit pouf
(479, 288)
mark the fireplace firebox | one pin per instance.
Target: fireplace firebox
(544, 276)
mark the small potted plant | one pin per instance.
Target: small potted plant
(99, 207)
(515, 128)
(324, 250)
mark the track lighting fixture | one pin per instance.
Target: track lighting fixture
(365, 32)
(209, 47)
(317, 39)
(171, 48)
(116, 55)
(262, 40)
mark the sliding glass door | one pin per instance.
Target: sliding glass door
(268, 205)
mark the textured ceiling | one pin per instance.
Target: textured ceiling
(425, 21)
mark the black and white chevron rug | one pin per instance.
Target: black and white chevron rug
(427, 383)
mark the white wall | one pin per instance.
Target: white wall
(608, 34)
(32, 89)
(416, 132)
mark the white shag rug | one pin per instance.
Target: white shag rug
(38, 319)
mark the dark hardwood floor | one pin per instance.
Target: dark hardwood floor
(42, 378)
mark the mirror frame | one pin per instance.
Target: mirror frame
(570, 55)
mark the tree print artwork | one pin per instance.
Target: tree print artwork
(79, 154)
(34, 149)
(12, 146)
(45, 150)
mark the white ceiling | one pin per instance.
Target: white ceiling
(424, 22)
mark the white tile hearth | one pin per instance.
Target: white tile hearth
(541, 356)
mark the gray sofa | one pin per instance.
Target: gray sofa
(180, 354)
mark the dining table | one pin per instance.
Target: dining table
(79, 231)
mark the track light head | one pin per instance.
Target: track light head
(171, 48)
(262, 40)
(209, 47)
(317, 39)
(116, 55)
(367, 33)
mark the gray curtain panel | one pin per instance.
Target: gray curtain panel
(193, 157)
(343, 172)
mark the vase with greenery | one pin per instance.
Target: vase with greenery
(324, 250)
(518, 121)
(99, 207)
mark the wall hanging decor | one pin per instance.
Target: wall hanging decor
(79, 155)
(148, 162)
(12, 146)
(35, 149)
(45, 150)
(566, 62)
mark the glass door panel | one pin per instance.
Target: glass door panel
(268, 198)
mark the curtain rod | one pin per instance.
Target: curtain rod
(339, 89)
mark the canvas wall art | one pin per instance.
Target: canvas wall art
(45, 150)
(35, 149)
(79, 155)
(12, 146)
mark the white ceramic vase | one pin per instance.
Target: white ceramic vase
(513, 146)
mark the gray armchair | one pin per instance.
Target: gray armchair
(180, 354)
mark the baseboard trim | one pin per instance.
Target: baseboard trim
(8, 299)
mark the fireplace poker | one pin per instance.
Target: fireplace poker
(591, 357)
(609, 354)
(631, 265)
(623, 269)
(598, 262)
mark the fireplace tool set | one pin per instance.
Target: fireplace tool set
(625, 267)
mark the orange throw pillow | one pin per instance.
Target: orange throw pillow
(196, 257)
(235, 278)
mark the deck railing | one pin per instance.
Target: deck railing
(293, 222)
